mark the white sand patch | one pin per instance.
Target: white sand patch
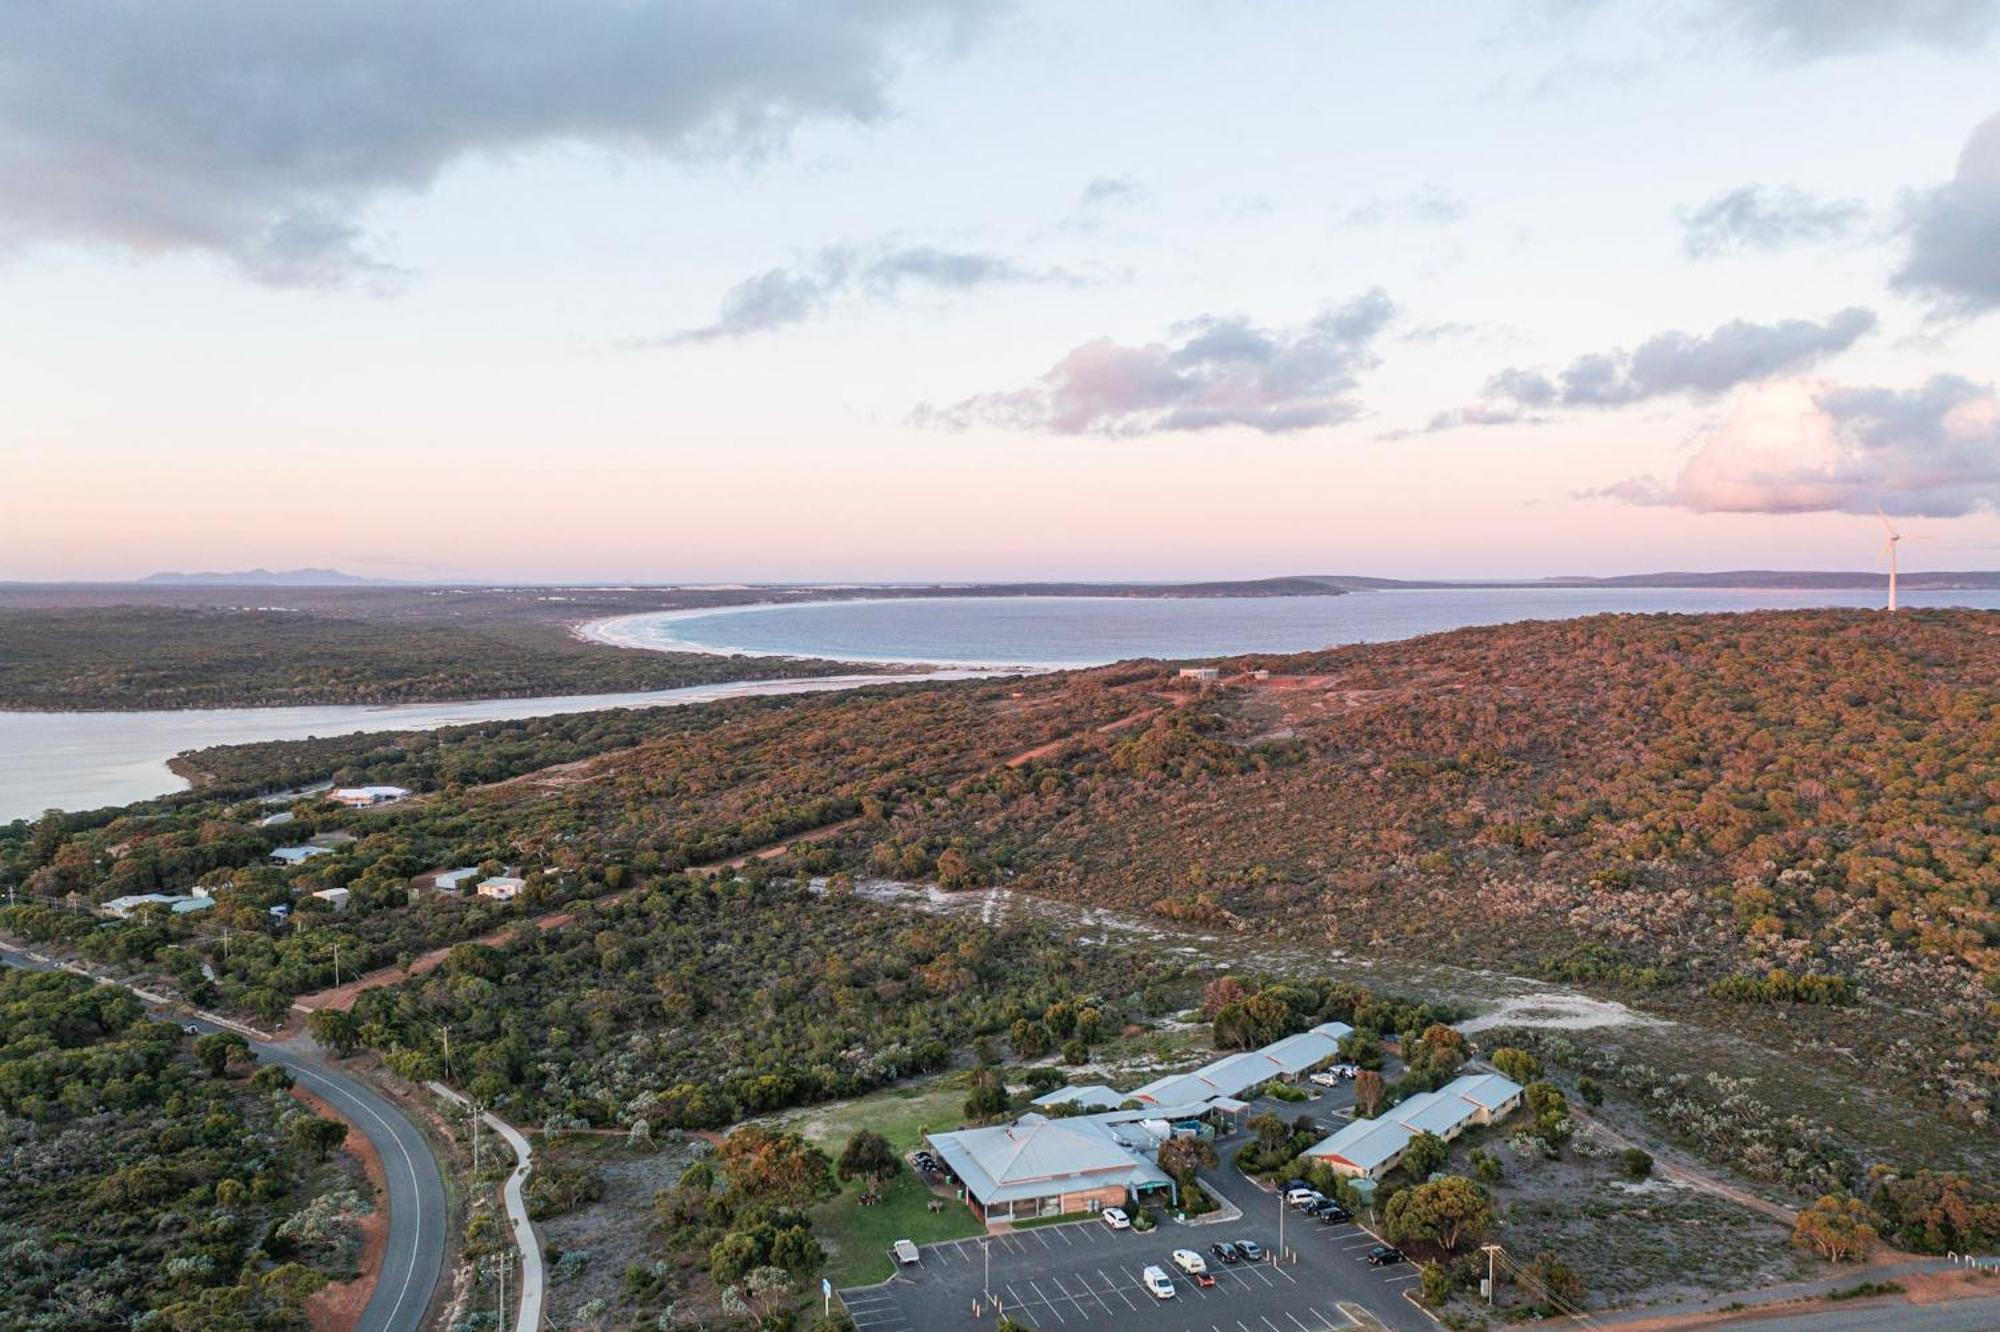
(1559, 1012)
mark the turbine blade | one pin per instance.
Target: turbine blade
(1886, 524)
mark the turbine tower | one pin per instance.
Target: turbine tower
(1889, 552)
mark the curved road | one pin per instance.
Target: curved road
(414, 1255)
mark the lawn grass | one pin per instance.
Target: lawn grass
(857, 1238)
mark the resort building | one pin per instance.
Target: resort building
(299, 855)
(1054, 1167)
(180, 904)
(1287, 1060)
(1371, 1148)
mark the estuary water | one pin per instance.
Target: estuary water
(1089, 631)
(87, 760)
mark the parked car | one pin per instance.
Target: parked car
(1189, 1261)
(905, 1251)
(1227, 1252)
(1300, 1197)
(1115, 1218)
(1327, 1078)
(1158, 1282)
(1252, 1251)
(1293, 1185)
(1382, 1255)
(1204, 1279)
(1334, 1214)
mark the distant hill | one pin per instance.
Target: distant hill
(1746, 578)
(266, 578)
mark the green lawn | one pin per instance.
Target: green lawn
(857, 1238)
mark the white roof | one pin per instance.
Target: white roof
(1488, 1091)
(1036, 1156)
(296, 854)
(1432, 1112)
(1235, 1074)
(1365, 1143)
(333, 894)
(370, 793)
(503, 881)
(1090, 1098)
(453, 878)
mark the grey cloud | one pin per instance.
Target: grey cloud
(1213, 371)
(1429, 205)
(261, 133)
(1954, 232)
(1675, 363)
(1804, 30)
(1756, 217)
(781, 297)
(1932, 450)
(1105, 191)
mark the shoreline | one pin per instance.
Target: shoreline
(602, 632)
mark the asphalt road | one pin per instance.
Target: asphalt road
(414, 1255)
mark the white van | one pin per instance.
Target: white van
(1300, 1197)
(1158, 1282)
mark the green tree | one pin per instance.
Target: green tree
(335, 1028)
(1426, 1152)
(1368, 1090)
(216, 1050)
(310, 1133)
(987, 1097)
(868, 1155)
(1637, 1161)
(1030, 1039)
(1445, 1211)
(1517, 1064)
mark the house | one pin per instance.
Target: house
(501, 887)
(449, 881)
(1368, 1148)
(180, 904)
(362, 797)
(278, 820)
(299, 855)
(1052, 1167)
(1205, 674)
(337, 898)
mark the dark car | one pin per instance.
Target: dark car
(1227, 1252)
(1252, 1251)
(1384, 1256)
(1334, 1214)
(1291, 1184)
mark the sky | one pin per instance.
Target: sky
(910, 289)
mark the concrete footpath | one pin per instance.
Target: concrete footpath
(534, 1280)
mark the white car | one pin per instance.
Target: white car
(1190, 1262)
(1158, 1282)
(1115, 1218)
(1329, 1078)
(1300, 1197)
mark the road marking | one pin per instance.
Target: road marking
(1016, 1296)
(1393, 1281)
(1268, 1323)
(1044, 1297)
(1112, 1286)
(409, 1168)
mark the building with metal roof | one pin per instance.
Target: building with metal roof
(1370, 1148)
(1235, 1074)
(1492, 1095)
(1097, 1097)
(1038, 1166)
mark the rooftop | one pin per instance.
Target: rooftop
(1365, 1143)
(1024, 1159)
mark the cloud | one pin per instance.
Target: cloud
(1954, 232)
(1756, 217)
(1796, 31)
(261, 134)
(1798, 447)
(1111, 191)
(1214, 371)
(1427, 206)
(781, 297)
(1675, 364)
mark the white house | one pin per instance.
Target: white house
(337, 898)
(361, 797)
(501, 887)
(1205, 674)
(449, 881)
(299, 855)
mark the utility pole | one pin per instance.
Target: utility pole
(986, 1283)
(446, 1029)
(336, 966)
(506, 1261)
(1492, 1253)
(475, 1137)
(1279, 1257)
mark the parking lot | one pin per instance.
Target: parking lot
(1085, 1276)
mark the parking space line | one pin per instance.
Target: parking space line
(1397, 1281)
(1041, 1235)
(1282, 1273)
(1062, 1233)
(1043, 1296)
(1112, 1286)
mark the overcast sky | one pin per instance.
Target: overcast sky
(756, 289)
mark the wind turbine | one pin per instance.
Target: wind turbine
(1889, 551)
